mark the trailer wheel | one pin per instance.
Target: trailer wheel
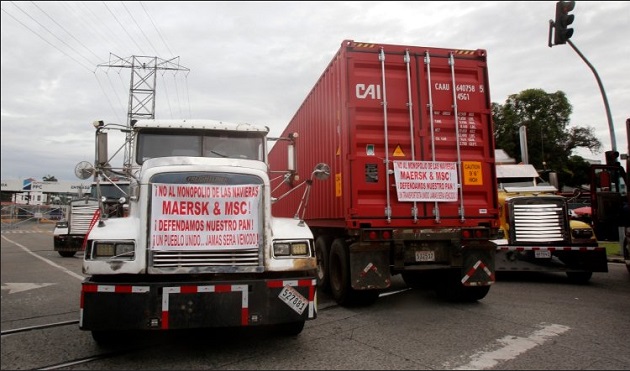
(339, 271)
(626, 251)
(579, 277)
(67, 254)
(419, 280)
(322, 252)
(339, 275)
(105, 338)
(450, 288)
(290, 329)
(472, 294)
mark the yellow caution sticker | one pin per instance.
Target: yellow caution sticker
(338, 185)
(472, 173)
(398, 152)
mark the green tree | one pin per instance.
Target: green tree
(549, 139)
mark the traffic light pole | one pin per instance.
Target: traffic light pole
(601, 89)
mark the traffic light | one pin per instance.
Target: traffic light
(563, 20)
(611, 157)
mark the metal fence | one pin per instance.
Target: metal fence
(15, 214)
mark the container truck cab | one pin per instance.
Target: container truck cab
(537, 231)
(199, 247)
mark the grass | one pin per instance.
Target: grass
(612, 247)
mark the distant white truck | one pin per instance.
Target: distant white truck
(69, 233)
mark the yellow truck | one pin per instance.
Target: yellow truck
(538, 233)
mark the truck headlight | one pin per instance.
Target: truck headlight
(61, 224)
(291, 248)
(582, 233)
(110, 250)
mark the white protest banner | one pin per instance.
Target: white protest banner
(426, 180)
(205, 217)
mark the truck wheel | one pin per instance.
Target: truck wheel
(450, 288)
(67, 254)
(105, 338)
(290, 329)
(418, 280)
(471, 294)
(322, 252)
(339, 272)
(339, 275)
(626, 252)
(579, 277)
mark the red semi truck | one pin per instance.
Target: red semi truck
(408, 135)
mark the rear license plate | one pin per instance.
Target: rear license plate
(542, 254)
(294, 299)
(425, 256)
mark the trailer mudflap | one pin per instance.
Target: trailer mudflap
(369, 266)
(478, 266)
(165, 306)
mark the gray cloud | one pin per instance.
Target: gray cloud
(256, 61)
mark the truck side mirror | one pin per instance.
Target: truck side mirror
(101, 148)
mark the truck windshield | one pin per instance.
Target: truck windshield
(244, 146)
(110, 191)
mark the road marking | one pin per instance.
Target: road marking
(509, 347)
(63, 269)
(18, 287)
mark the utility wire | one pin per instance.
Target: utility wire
(66, 31)
(140, 28)
(48, 42)
(158, 31)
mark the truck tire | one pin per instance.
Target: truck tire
(339, 274)
(290, 329)
(322, 253)
(339, 271)
(105, 338)
(67, 254)
(419, 280)
(579, 277)
(450, 288)
(626, 252)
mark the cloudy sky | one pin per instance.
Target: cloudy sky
(256, 61)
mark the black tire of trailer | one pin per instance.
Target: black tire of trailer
(322, 253)
(67, 254)
(290, 329)
(419, 279)
(626, 253)
(450, 288)
(339, 274)
(106, 338)
(579, 278)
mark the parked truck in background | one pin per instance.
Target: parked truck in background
(407, 133)
(199, 247)
(538, 234)
(69, 233)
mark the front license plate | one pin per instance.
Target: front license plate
(425, 256)
(542, 254)
(294, 299)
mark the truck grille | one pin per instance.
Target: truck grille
(191, 258)
(537, 220)
(82, 213)
(176, 259)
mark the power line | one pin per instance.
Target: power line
(48, 42)
(63, 28)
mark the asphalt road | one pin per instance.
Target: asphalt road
(537, 321)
